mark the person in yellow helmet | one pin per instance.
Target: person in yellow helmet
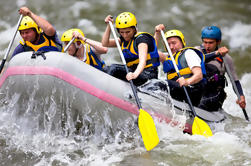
(37, 34)
(190, 62)
(139, 49)
(84, 48)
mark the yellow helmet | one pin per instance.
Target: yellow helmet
(177, 33)
(125, 20)
(67, 35)
(28, 23)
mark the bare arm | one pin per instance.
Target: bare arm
(157, 34)
(106, 41)
(197, 77)
(162, 56)
(142, 48)
(158, 28)
(47, 28)
(98, 48)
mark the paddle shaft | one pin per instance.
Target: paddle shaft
(234, 86)
(177, 71)
(10, 44)
(68, 45)
(124, 62)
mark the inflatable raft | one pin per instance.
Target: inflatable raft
(59, 86)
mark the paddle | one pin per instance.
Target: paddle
(68, 45)
(199, 126)
(10, 44)
(145, 122)
(234, 86)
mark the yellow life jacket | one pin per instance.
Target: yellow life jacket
(131, 54)
(47, 45)
(182, 65)
(92, 59)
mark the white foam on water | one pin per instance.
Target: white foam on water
(223, 147)
(220, 149)
(230, 105)
(176, 10)
(88, 27)
(7, 35)
(21, 3)
(79, 5)
(63, 150)
(238, 35)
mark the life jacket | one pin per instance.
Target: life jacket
(213, 76)
(182, 65)
(47, 45)
(92, 59)
(132, 56)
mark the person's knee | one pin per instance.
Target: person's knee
(112, 69)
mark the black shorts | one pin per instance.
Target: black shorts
(119, 71)
(195, 92)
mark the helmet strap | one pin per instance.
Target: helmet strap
(218, 42)
(216, 48)
(77, 48)
(37, 37)
(136, 28)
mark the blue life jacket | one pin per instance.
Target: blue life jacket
(182, 65)
(92, 59)
(47, 45)
(132, 56)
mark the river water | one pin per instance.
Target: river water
(20, 145)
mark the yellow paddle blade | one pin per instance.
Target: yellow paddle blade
(200, 127)
(148, 130)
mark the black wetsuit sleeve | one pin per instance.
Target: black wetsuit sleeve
(210, 56)
(143, 38)
(239, 88)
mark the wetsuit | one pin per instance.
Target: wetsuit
(214, 94)
(92, 59)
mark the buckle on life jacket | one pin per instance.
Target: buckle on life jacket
(35, 54)
(214, 77)
(219, 59)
